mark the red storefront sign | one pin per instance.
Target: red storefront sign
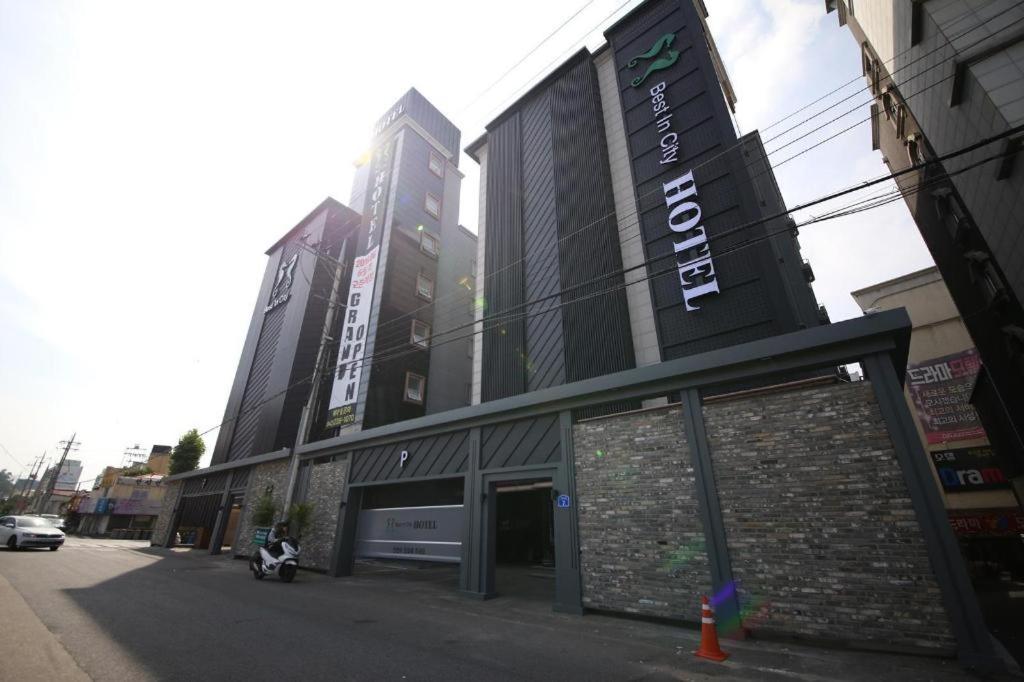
(999, 523)
(941, 391)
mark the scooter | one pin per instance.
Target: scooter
(263, 563)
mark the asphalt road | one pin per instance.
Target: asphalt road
(123, 611)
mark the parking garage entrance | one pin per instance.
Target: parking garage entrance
(524, 539)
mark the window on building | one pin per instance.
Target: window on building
(914, 151)
(432, 205)
(436, 164)
(420, 334)
(429, 244)
(415, 385)
(424, 287)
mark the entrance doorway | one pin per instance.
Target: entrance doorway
(524, 549)
(195, 521)
(234, 517)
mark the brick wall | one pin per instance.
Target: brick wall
(326, 490)
(641, 541)
(822, 537)
(163, 520)
(272, 475)
(823, 540)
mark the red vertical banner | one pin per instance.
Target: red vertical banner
(941, 390)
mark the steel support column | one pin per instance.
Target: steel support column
(974, 643)
(568, 593)
(470, 566)
(726, 597)
(343, 554)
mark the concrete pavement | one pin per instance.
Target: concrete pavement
(121, 610)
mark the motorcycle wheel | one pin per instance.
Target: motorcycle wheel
(256, 566)
(287, 572)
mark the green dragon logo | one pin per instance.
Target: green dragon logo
(670, 58)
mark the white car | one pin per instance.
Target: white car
(29, 531)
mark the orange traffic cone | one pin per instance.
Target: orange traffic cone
(708, 635)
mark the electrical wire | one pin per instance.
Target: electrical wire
(380, 357)
(770, 167)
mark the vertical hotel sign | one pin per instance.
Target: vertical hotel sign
(692, 253)
(352, 349)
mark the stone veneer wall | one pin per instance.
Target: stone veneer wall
(272, 474)
(162, 527)
(641, 540)
(326, 491)
(822, 536)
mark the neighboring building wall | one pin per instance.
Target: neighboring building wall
(821, 534)
(272, 476)
(162, 528)
(326, 491)
(938, 332)
(969, 220)
(641, 540)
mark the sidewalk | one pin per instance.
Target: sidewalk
(666, 651)
(28, 651)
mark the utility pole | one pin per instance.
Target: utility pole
(31, 474)
(26, 487)
(307, 417)
(133, 456)
(52, 483)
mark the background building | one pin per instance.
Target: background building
(342, 335)
(968, 472)
(947, 74)
(422, 273)
(275, 372)
(125, 502)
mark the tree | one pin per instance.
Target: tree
(299, 517)
(186, 454)
(6, 483)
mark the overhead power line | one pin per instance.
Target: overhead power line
(434, 305)
(505, 313)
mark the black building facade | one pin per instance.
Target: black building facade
(273, 380)
(620, 181)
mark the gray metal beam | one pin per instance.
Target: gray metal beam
(722, 582)
(975, 648)
(847, 341)
(568, 587)
(343, 551)
(469, 568)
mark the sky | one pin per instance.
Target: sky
(150, 153)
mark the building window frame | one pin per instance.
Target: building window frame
(412, 394)
(429, 200)
(424, 287)
(419, 333)
(436, 164)
(430, 244)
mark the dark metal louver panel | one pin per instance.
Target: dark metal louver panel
(521, 443)
(436, 456)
